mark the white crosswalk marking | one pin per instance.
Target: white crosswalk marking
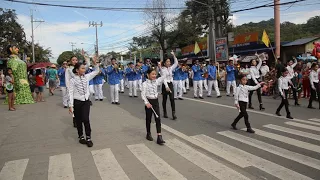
(60, 167)
(265, 165)
(307, 122)
(108, 166)
(293, 131)
(314, 119)
(14, 170)
(303, 126)
(211, 166)
(287, 140)
(157, 166)
(311, 162)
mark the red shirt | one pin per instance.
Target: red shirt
(39, 80)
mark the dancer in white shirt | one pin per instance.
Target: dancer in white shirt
(149, 95)
(290, 69)
(167, 89)
(79, 103)
(283, 85)
(241, 100)
(314, 83)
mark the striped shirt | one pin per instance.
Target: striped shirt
(149, 89)
(79, 86)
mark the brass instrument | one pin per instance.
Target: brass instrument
(205, 70)
(120, 67)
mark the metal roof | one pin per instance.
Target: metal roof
(300, 41)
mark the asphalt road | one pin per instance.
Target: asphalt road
(38, 142)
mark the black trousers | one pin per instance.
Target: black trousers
(314, 94)
(243, 113)
(165, 95)
(149, 112)
(252, 83)
(284, 102)
(294, 93)
(81, 114)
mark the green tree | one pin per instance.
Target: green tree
(65, 56)
(41, 54)
(11, 32)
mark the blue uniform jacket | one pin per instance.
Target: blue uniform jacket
(231, 73)
(99, 78)
(130, 74)
(144, 71)
(87, 72)
(113, 76)
(177, 74)
(62, 77)
(121, 73)
(212, 71)
(138, 75)
(197, 73)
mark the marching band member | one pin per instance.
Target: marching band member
(314, 83)
(149, 95)
(283, 85)
(121, 76)
(241, 100)
(167, 88)
(212, 72)
(61, 74)
(114, 81)
(177, 83)
(98, 84)
(139, 75)
(131, 75)
(197, 79)
(290, 67)
(204, 77)
(231, 78)
(255, 75)
(145, 68)
(185, 79)
(91, 84)
(79, 103)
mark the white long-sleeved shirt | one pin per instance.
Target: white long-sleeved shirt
(242, 92)
(283, 84)
(167, 72)
(69, 74)
(290, 69)
(254, 72)
(79, 86)
(149, 89)
(264, 70)
(314, 77)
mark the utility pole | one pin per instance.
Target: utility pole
(72, 45)
(32, 35)
(95, 24)
(277, 26)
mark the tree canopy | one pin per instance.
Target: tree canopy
(11, 32)
(66, 55)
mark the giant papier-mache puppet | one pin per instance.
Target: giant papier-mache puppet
(316, 50)
(19, 71)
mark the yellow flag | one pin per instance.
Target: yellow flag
(196, 48)
(265, 38)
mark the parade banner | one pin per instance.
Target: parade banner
(222, 49)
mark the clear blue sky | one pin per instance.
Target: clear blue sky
(65, 25)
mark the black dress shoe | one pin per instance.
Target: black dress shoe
(89, 143)
(135, 96)
(249, 130)
(209, 96)
(117, 103)
(65, 107)
(180, 98)
(234, 127)
(175, 98)
(289, 117)
(101, 99)
(149, 137)
(113, 103)
(165, 115)
(201, 97)
(296, 104)
(130, 96)
(174, 117)
(250, 107)
(96, 99)
(310, 107)
(122, 91)
(261, 107)
(219, 96)
(82, 140)
(195, 97)
(278, 114)
(160, 141)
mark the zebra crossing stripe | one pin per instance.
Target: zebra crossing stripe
(107, 165)
(314, 119)
(287, 140)
(293, 131)
(303, 126)
(307, 122)
(308, 161)
(60, 167)
(213, 167)
(14, 170)
(157, 166)
(224, 154)
(264, 165)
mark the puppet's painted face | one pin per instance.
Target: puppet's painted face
(14, 50)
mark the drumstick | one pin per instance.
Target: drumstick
(155, 112)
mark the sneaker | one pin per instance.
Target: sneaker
(82, 140)
(89, 142)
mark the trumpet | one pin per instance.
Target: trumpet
(120, 67)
